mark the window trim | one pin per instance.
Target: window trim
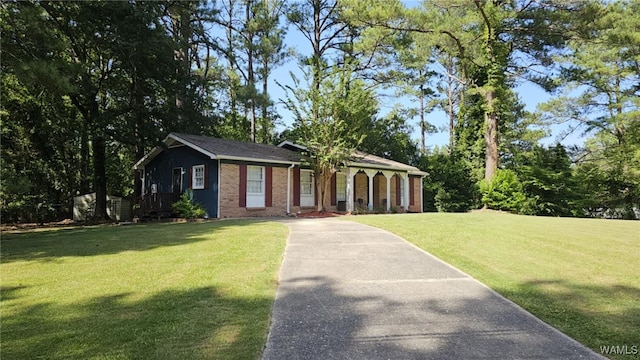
(256, 200)
(262, 180)
(341, 179)
(307, 200)
(194, 177)
(304, 175)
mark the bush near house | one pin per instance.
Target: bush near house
(187, 208)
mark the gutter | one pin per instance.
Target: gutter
(240, 158)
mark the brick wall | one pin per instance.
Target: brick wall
(417, 205)
(382, 191)
(361, 184)
(393, 191)
(303, 209)
(229, 194)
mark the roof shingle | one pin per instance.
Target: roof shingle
(224, 148)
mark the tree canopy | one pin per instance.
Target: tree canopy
(90, 87)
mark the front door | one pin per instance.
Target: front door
(177, 181)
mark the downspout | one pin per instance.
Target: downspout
(289, 188)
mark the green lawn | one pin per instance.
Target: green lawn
(580, 275)
(158, 291)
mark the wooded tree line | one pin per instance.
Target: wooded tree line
(89, 87)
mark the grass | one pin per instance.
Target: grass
(582, 276)
(165, 291)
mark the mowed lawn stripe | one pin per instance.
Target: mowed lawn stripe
(579, 275)
(171, 291)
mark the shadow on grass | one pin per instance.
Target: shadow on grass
(594, 315)
(89, 241)
(319, 318)
(200, 323)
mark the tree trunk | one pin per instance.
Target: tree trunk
(85, 185)
(100, 177)
(250, 73)
(265, 127)
(422, 126)
(233, 86)
(139, 150)
(452, 118)
(183, 27)
(322, 186)
(490, 137)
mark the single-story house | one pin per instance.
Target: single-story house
(239, 179)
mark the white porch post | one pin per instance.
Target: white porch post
(406, 192)
(288, 188)
(405, 185)
(349, 198)
(388, 175)
(370, 175)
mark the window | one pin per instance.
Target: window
(306, 188)
(197, 177)
(341, 187)
(306, 183)
(254, 179)
(176, 180)
(255, 186)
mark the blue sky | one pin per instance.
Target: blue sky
(530, 94)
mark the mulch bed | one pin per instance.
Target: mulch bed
(318, 214)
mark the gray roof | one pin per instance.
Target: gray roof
(225, 149)
(238, 150)
(362, 159)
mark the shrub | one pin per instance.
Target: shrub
(450, 186)
(187, 208)
(503, 192)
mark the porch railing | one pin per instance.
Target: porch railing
(158, 204)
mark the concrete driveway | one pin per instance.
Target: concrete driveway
(351, 291)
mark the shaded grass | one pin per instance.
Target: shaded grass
(582, 276)
(170, 291)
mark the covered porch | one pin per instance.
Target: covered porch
(373, 182)
(374, 189)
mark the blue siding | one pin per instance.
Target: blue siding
(160, 171)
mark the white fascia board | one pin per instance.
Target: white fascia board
(147, 158)
(194, 147)
(240, 158)
(287, 142)
(169, 141)
(379, 167)
(408, 170)
(418, 172)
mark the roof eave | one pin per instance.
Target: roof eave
(381, 167)
(193, 146)
(408, 170)
(147, 158)
(287, 142)
(419, 173)
(241, 158)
